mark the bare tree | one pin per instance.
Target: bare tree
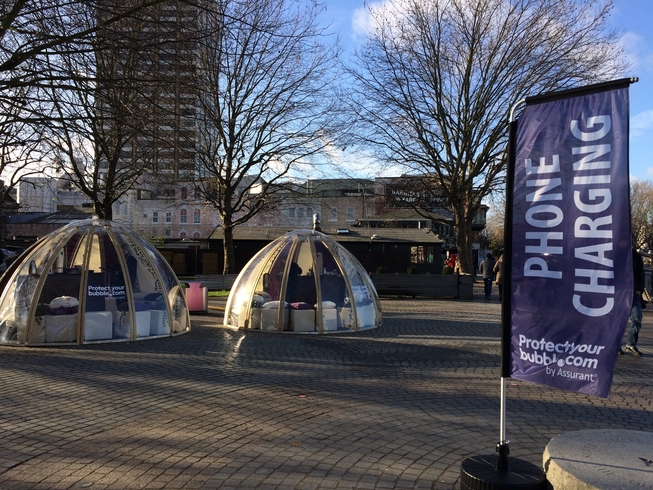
(96, 113)
(38, 38)
(21, 150)
(436, 81)
(35, 29)
(641, 209)
(267, 103)
(21, 145)
(494, 228)
(103, 118)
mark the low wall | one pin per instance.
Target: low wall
(217, 282)
(431, 285)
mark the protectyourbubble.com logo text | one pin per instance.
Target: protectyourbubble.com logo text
(544, 353)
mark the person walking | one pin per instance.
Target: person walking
(487, 271)
(498, 271)
(635, 321)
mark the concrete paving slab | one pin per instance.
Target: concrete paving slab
(397, 407)
(601, 459)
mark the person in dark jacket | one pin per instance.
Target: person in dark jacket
(635, 322)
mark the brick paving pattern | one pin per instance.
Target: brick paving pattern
(399, 407)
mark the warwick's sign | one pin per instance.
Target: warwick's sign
(403, 196)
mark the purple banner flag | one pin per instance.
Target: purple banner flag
(571, 273)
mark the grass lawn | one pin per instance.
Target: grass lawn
(218, 294)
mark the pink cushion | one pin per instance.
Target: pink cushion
(301, 306)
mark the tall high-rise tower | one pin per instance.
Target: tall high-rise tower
(149, 61)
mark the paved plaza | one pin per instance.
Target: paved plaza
(399, 407)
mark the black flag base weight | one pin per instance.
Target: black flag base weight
(500, 472)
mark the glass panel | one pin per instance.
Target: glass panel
(271, 284)
(301, 281)
(272, 280)
(107, 311)
(365, 312)
(149, 299)
(361, 293)
(167, 274)
(16, 302)
(249, 290)
(160, 323)
(333, 288)
(180, 315)
(301, 294)
(374, 296)
(43, 254)
(95, 259)
(74, 250)
(14, 309)
(56, 315)
(10, 310)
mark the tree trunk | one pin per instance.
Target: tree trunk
(464, 241)
(229, 257)
(104, 210)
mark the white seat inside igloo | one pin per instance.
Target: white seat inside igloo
(90, 281)
(303, 282)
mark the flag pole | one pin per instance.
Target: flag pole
(503, 449)
(498, 471)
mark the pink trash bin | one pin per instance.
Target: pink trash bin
(197, 297)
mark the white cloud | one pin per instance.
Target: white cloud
(648, 62)
(637, 52)
(361, 22)
(366, 18)
(641, 123)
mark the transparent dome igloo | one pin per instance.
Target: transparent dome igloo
(90, 281)
(303, 282)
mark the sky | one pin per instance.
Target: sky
(631, 18)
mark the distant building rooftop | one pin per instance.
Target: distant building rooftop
(354, 234)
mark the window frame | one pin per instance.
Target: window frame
(350, 214)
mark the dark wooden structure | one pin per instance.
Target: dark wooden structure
(394, 249)
(428, 285)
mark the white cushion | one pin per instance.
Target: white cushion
(274, 304)
(302, 320)
(269, 318)
(60, 328)
(143, 323)
(327, 305)
(159, 322)
(98, 325)
(329, 319)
